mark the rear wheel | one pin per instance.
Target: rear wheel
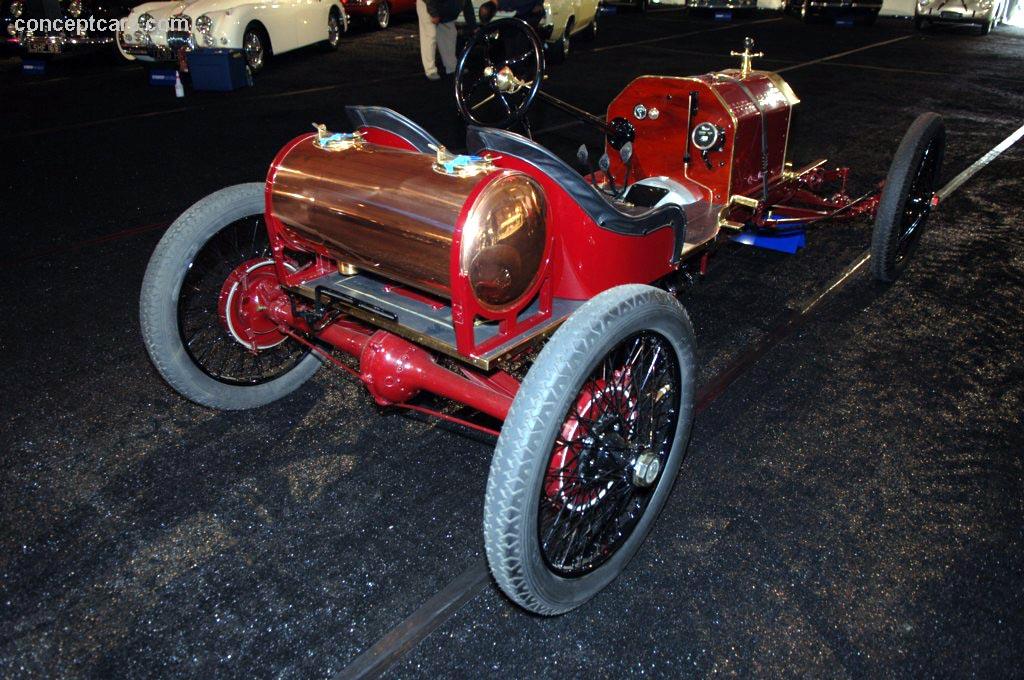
(383, 17)
(560, 50)
(590, 449)
(334, 30)
(590, 33)
(907, 197)
(202, 302)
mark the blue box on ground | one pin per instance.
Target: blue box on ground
(845, 22)
(218, 70)
(723, 15)
(36, 67)
(162, 76)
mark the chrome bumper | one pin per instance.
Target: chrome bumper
(178, 44)
(955, 15)
(61, 44)
(843, 4)
(721, 4)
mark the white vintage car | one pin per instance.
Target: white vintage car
(164, 31)
(984, 14)
(564, 21)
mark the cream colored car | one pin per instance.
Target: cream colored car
(564, 22)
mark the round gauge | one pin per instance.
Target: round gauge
(706, 136)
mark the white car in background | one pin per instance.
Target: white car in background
(985, 14)
(165, 31)
(563, 22)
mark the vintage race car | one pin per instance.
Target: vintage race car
(505, 280)
(985, 14)
(55, 27)
(564, 21)
(166, 31)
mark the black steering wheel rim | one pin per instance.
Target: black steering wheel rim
(463, 89)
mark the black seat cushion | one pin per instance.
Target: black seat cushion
(396, 123)
(619, 219)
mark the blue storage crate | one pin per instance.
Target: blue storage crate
(218, 70)
(162, 76)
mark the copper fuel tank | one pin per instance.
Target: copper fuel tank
(394, 213)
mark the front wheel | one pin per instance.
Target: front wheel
(590, 449)
(202, 302)
(907, 196)
(255, 46)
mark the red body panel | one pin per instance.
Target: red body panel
(661, 143)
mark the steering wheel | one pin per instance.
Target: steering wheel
(499, 74)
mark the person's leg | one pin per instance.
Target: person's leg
(428, 40)
(446, 37)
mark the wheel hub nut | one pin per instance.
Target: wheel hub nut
(646, 469)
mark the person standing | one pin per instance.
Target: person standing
(438, 34)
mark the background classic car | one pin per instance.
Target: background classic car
(378, 12)
(807, 10)
(736, 6)
(564, 20)
(163, 31)
(84, 25)
(985, 14)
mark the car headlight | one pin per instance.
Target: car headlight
(924, 3)
(146, 22)
(16, 9)
(985, 5)
(75, 8)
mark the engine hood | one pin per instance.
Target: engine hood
(192, 8)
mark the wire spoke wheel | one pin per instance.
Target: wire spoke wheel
(615, 440)
(204, 302)
(590, 449)
(919, 201)
(219, 317)
(252, 46)
(907, 197)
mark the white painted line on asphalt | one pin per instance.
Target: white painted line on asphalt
(572, 123)
(676, 36)
(976, 167)
(204, 107)
(847, 52)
